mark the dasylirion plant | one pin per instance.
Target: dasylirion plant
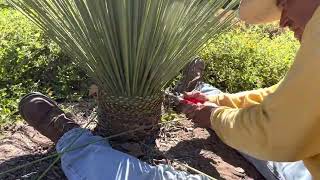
(131, 48)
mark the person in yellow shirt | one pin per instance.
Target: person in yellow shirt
(279, 123)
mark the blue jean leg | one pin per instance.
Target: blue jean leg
(208, 89)
(98, 161)
(269, 169)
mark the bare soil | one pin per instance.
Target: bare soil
(179, 144)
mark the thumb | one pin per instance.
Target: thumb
(192, 94)
(210, 104)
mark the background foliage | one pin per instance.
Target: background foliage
(241, 59)
(246, 58)
(29, 61)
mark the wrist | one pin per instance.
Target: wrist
(213, 98)
(212, 114)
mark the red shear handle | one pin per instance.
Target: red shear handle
(192, 101)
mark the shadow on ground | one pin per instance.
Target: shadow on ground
(21, 145)
(203, 150)
(208, 154)
(33, 171)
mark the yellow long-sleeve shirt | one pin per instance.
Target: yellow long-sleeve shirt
(281, 123)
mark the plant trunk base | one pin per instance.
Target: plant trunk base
(119, 115)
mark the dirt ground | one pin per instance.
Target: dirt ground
(180, 141)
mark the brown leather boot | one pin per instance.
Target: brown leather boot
(191, 77)
(43, 114)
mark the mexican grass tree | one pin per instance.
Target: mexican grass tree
(132, 48)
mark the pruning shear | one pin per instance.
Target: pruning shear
(178, 99)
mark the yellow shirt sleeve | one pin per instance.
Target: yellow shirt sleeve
(243, 99)
(285, 126)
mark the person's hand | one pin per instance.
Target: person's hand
(196, 95)
(199, 113)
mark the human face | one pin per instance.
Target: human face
(297, 13)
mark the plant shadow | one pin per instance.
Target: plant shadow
(205, 154)
(22, 145)
(33, 171)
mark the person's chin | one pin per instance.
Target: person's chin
(298, 33)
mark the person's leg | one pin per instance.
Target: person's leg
(192, 75)
(280, 170)
(269, 169)
(99, 161)
(85, 156)
(207, 89)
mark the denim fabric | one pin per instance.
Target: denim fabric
(98, 161)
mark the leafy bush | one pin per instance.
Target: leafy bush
(29, 61)
(246, 58)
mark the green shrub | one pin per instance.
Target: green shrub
(29, 61)
(246, 58)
